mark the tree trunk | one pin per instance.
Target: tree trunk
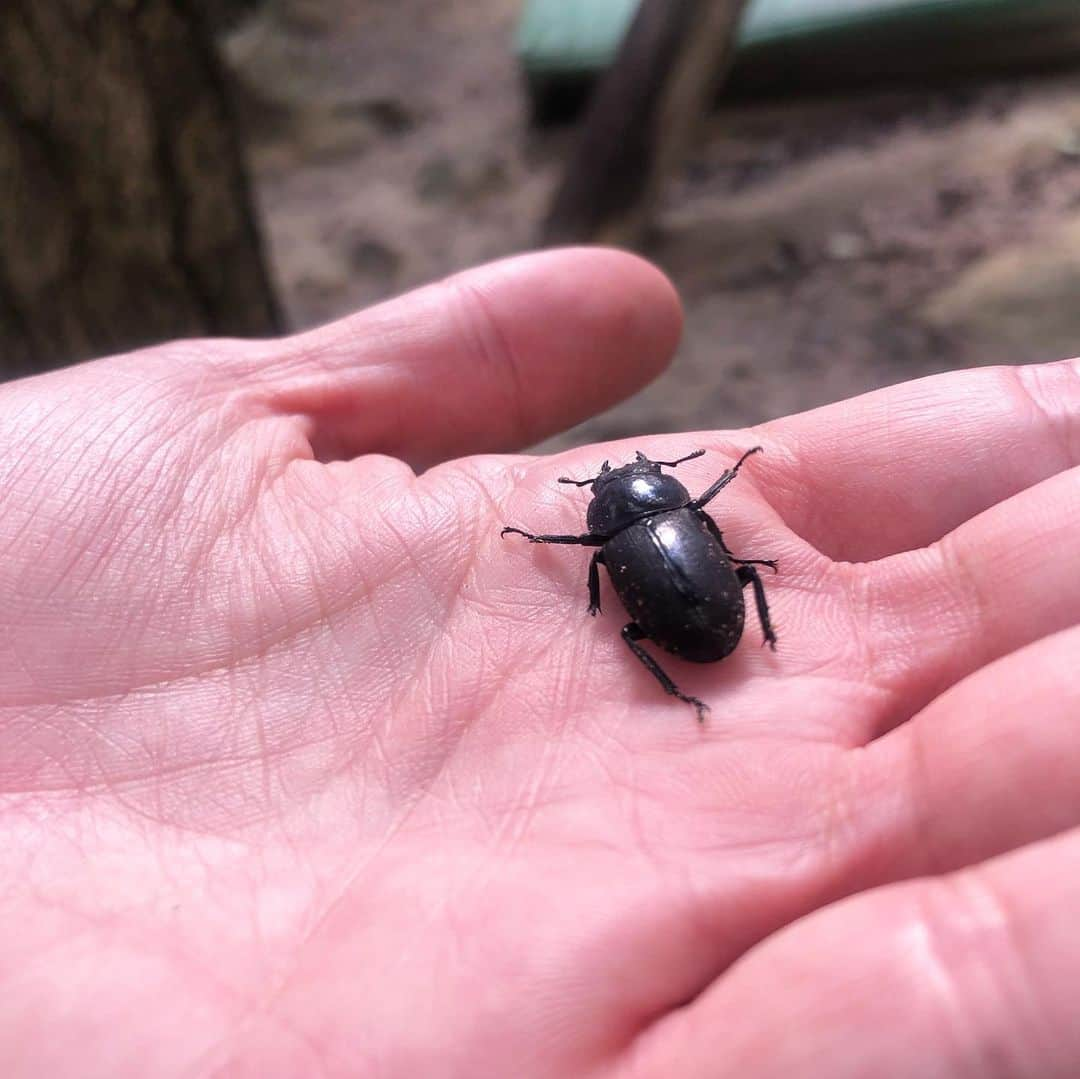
(644, 113)
(125, 211)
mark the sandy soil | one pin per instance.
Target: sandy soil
(822, 247)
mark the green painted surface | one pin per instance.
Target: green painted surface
(581, 36)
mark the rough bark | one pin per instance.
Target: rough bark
(125, 211)
(641, 119)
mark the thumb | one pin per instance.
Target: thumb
(489, 360)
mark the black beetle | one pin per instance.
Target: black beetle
(669, 564)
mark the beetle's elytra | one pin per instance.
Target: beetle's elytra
(669, 564)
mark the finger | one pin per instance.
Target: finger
(957, 976)
(489, 360)
(999, 582)
(899, 468)
(990, 765)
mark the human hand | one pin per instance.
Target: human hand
(304, 770)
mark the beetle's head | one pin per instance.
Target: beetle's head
(623, 495)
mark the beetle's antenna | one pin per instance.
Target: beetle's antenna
(688, 457)
(605, 467)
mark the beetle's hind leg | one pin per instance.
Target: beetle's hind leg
(632, 634)
(594, 582)
(747, 574)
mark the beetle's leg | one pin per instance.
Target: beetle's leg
(748, 575)
(632, 633)
(727, 476)
(594, 582)
(754, 562)
(715, 530)
(588, 540)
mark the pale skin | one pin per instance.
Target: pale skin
(304, 771)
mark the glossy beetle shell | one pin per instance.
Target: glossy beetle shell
(675, 581)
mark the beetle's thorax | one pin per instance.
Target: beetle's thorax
(624, 495)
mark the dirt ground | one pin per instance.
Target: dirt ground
(822, 247)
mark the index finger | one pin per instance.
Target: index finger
(899, 468)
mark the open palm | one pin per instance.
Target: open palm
(305, 770)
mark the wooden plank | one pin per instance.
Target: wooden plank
(643, 114)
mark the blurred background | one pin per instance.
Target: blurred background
(847, 193)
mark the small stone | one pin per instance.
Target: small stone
(845, 246)
(1069, 144)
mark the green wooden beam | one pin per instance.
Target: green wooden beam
(563, 45)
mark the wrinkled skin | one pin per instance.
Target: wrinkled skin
(305, 771)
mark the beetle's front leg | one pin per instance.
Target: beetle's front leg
(725, 478)
(594, 582)
(748, 575)
(588, 540)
